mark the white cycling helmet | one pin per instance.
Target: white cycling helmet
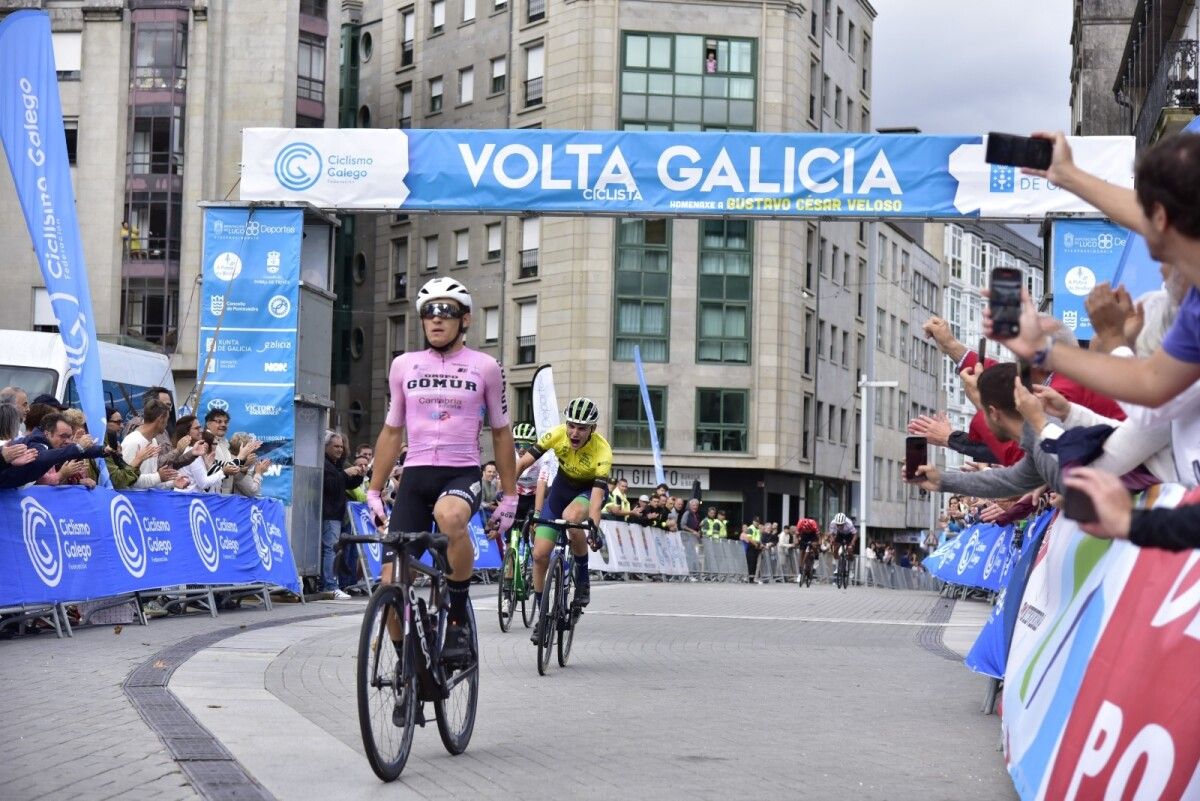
(840, 519)
(443, 289)
(582, 411)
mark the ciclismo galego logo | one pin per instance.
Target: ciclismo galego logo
(128, 535)
(262, 543)
(298, 166)
(366, 528)
(204, 535)
(42, 542)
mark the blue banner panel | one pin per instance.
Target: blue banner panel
(248, 327)
(1084, 253)
(31, 132)
(363, 526)
(487, 553)
(73, 544)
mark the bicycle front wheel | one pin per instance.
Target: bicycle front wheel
(567, 619)
(508, 577)
(387, 685)
(527, 608)
(548, 617)
(456, 713)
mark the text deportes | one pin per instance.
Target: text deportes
(516, 166)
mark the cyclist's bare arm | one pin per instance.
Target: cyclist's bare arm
(506, 459)
(539, 496)
(597, 502)
(387, 450)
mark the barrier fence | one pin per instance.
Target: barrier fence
(67, 545)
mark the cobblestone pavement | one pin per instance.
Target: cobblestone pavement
(673, 690)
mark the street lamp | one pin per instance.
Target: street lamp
(864, 498)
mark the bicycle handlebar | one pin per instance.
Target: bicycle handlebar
(563, 525)
(428, 539)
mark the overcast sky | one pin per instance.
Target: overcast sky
(972, 66)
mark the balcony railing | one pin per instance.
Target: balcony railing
(537, 10)
(529, 263)
(1175, 85)
(526, 349)
(533, 92)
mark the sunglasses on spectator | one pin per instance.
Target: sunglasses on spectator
(447, 311)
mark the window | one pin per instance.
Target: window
(827, 15)
(820, 421)
(875, 477)
(866, 67)
(68, 54)
(857, 428)
(821, 255)
(845, 268)
(431, 253)
(468, 10)
(833, 263)
(902, 410)
(954, 259)
(831, 427)
(462, 247)
(845, 349)
(850, 118)
(157, 144)
(721, 419)
(687, 83)
(841, 20)
(808, 341)
(500, 5)
(859, 360)
(631, 429)
(882, 256)
(837, 105)
(310, 68)
(531, 232)
(866, 120)
(810, 257)
(397, 335)
(527, 332)
(826, 95)
(807, 425)
(493, 241)
(535, 10)
(724, 291)
(860, 278)
(466, 85)
(833, 342)
(408, 28)
(523, 402)
(643, 289)
(813, 73)
(535, 58)
(904, 340)
(850, 43)
(71, 131)
(491, 324)
(438, 19)
(842, 418)
(821, 340)
(891, 334)
(400, 268)
(406, 106)
(880, 334)
(499, 74)
(435, 95)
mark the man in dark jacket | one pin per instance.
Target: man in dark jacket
(52, 441)
(338, 479)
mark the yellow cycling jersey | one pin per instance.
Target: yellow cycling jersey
(591, 463)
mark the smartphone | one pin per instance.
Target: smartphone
(1078, 506)
(916, 453)
(1005, 302)
(1019, 151)
(982, 351)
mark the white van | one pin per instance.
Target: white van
(37, 363)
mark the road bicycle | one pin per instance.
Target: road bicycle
(516, 580)
(841, 576)
(558, 615)
(400, 665)
(807, 561)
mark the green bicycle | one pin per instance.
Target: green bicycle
(516, 580)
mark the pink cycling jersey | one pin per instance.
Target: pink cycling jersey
(441, 401)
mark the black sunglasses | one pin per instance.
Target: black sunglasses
(447, 311)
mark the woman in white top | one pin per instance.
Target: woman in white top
(204, 473)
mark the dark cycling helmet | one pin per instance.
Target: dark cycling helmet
(524, 432)
(583, 412)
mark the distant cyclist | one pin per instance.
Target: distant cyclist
(579, 490)
(842, 530)
(440, 397)
(530, 486)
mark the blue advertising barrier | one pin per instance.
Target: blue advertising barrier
(1084, 253)
(487, 553)
(31, 132)
(75, 544)
(975, 558)
(248, 314)
(989, 654)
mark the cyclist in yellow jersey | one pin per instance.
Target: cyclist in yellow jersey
(579, 489)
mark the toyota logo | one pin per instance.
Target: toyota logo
(218, 404)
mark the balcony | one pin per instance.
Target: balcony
(533, 92)
(529, 263)
(1173, 96)
(526, 349)
(537, 10)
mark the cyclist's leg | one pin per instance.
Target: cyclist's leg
(575, 512)
(557, 498)
(458, 501)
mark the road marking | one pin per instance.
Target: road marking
(775, 618)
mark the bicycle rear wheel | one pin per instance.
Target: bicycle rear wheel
(527, 608)
(567, 619)
(548, 617)
(387, 685)
(507, 600)
(456, 713)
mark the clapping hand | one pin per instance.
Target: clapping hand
(18, 454)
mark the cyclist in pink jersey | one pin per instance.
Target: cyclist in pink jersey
(440, 397)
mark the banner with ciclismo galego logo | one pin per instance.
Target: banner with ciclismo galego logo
(679, 173)
(248, 322)
(32, 137)
(72, 544)
(487, 552)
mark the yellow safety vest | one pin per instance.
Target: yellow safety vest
(754, 534)
(620, 500)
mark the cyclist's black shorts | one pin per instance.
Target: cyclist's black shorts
(421, 487)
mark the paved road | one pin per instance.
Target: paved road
(700, 691)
